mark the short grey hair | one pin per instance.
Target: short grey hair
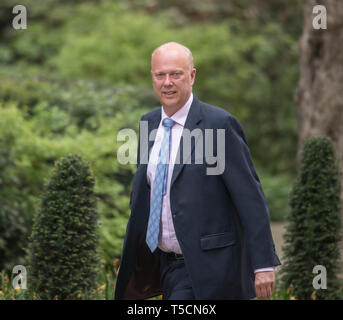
(176, 44)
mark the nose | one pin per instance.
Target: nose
(167, 81)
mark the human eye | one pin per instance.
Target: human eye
(176, 74)
(159, 75)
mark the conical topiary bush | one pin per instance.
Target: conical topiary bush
(63, 260)
(314, 225)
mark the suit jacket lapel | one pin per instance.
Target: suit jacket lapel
(193, 121)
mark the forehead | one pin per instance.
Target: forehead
(168, 60)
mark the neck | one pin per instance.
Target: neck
(170, 110)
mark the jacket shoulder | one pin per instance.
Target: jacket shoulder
(152, 114)
(218, 114)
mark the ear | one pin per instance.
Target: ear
(193, 73)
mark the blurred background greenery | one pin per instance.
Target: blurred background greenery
(80, 72)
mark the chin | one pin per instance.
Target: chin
(169, 103)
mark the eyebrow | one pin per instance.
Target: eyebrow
(176, 70)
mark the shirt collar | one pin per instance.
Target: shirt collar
(181, 115)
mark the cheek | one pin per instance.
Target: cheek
(184, 87)
(156, 87)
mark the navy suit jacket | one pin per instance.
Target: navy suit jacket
(221, 221)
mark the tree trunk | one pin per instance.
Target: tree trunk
(320, 92)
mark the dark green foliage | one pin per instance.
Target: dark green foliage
(16, 194)
(314, 229)
(248, 45)
(276, 189)
(52, 119)
(286, 12)
(14, 223)
(64, 241)
(82, 103)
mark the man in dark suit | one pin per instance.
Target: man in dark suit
(194, 233)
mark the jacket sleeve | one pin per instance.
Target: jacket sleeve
(245, 189)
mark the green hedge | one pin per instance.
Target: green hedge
(34, 137)
(314, 230)
(245, 66)
(63, 252)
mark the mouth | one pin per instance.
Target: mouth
(169, 93)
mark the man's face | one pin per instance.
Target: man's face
(172, 77)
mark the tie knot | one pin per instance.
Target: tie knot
(168, 123)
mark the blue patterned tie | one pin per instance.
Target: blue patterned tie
(159, 188)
